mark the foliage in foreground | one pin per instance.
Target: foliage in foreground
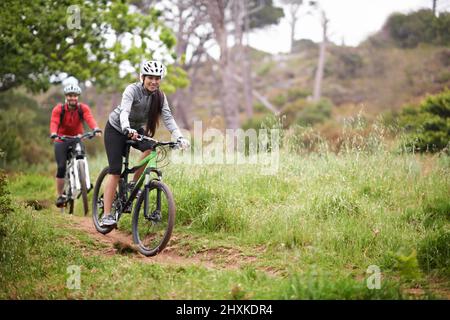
(318, 224)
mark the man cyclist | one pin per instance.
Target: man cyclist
(67, 120)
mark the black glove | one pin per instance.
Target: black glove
(53, 136)
(97, 130)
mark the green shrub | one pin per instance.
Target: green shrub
(291, 111)
(306, 113)
(315, 113)
(259, 107)
(295, 94)
(265, 69)
(407, 265)
(348, 64)
(427, 126)
(267, 122)
(279, 100)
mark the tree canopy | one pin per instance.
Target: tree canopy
(101, 41)
(264, 13)
(408, 30)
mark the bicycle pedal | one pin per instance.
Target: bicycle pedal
(128, 209)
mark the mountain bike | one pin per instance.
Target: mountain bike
(154, 211)
(77, 182)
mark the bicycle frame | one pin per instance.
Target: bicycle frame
(77, 156)
(150, 164)
(77, 167)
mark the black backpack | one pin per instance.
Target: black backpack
(63, 111)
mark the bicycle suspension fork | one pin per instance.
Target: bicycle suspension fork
(147, 187)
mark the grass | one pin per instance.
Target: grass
(308, 232)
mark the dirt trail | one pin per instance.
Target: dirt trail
(118, 242)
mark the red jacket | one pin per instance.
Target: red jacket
(71, 124)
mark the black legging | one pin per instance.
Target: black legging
(115, 144)
(61, 154)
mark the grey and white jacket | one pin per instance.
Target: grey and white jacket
(133, 110)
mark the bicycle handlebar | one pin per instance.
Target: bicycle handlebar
(157, 143)
(86, 135)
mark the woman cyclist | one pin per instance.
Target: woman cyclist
(142, 105)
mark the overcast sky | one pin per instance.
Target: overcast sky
(351, 21)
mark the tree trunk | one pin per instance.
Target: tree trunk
(216, 11)
(321, 61)
(181, 102)
(247, 69)
(294, 7)
(260, 98)
(181, 99)
(293, 25)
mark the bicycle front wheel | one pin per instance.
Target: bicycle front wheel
(82, 178)
(98, 204)
(70, 203)
(153, 218)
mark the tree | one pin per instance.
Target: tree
(189, 22)
(262, 13)
(250, 15)
(216, 12)
(86, 39)
(428, 126)
(293, 10)
(321, 61)
(408, 30)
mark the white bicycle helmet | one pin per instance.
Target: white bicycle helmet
(153, 68)
(72, 88)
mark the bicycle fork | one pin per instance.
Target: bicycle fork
(155, 215)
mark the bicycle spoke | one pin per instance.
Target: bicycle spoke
(98, 202)
(153, 220)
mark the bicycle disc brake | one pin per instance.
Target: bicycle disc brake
(155, 217)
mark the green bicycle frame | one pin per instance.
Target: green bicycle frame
(150, 165)
(150, 160)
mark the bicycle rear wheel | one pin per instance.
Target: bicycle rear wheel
(82, 178)
(153, 218)
(71, 205)
(97, 202)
